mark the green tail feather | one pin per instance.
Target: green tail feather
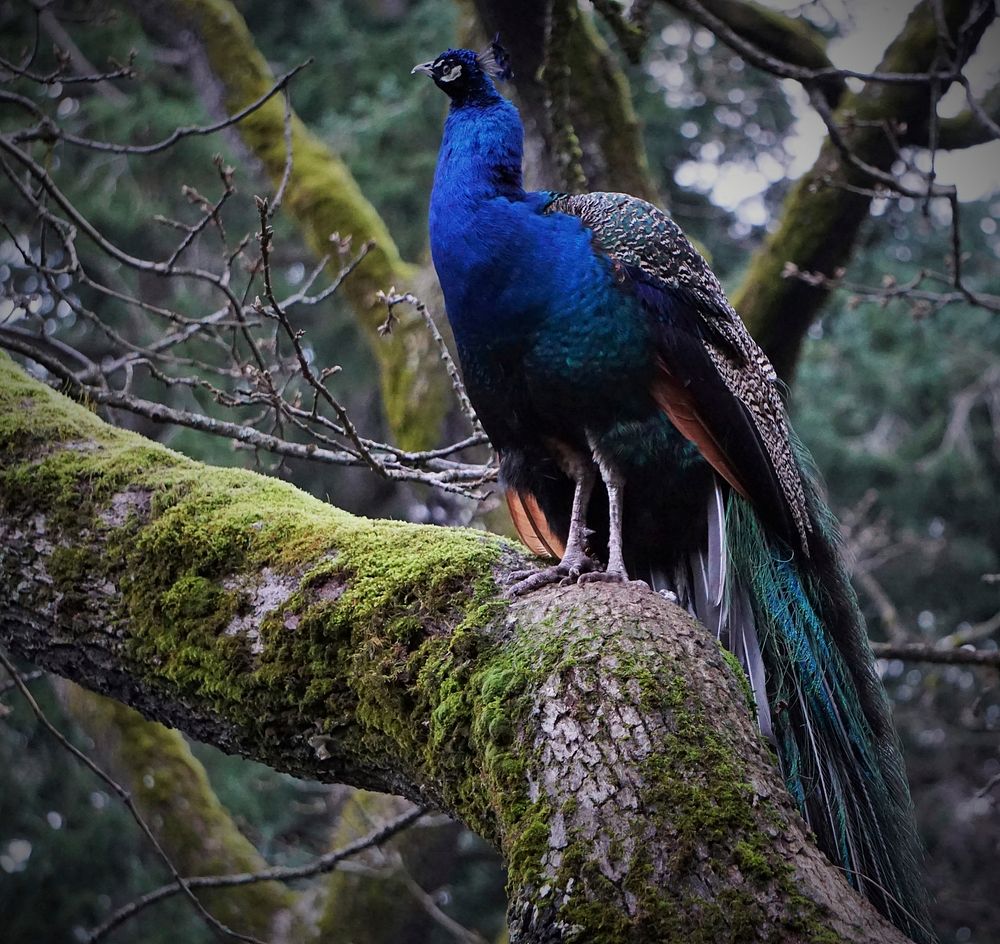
(831, 718)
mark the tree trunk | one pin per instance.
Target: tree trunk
(593, 734)
(581, 102)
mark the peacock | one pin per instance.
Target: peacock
(597, 344)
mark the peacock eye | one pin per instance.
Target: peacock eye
(453, 73)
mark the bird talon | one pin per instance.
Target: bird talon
(519, 575)
(602, 576)
(563, 574)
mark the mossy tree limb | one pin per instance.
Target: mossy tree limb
(157, 767)
(789, 39)
(821, 218)
(323, 197)
(594, 734)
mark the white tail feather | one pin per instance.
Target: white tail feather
(718, 555)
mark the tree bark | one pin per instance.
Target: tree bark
(593, 734)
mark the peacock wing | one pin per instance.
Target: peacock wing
(532, 526)
(714, 382)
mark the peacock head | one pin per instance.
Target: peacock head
(468, 77)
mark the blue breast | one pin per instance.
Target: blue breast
(536, 313)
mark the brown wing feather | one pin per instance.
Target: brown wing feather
(676, 401)
(531, 526)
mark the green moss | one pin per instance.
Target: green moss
(752, 860)
(70, 566)
(741, 678)
(702, 813)
(395, 582)
(364, 640)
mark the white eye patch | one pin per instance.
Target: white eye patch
(453, 73)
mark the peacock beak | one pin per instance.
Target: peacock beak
(426, 67)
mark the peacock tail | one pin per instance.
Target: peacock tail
(830, 719)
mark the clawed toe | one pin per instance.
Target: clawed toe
(565, 573)
(602, 576)
(524, 581)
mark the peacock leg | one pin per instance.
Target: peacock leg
(615, 572)
(575, 561)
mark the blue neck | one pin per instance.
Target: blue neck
(480, 157)
(482, 222)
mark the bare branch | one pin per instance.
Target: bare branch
(49, 131)
(772, 41)
(64, 41)
(921, 652)
(180, 884)
(391, 299)
(325, 863)
(788, 70)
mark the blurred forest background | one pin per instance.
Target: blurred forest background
(898, 399)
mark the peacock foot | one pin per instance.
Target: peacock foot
(568, 571)
(612, 576)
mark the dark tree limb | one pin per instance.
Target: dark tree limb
(593, 735)
(920, 652)
(822, 216)
(599, 113)
(964, 130)
(769, 39)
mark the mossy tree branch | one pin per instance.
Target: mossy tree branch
(323, 197)
(788, 39)
(593, 734)
(157, 767)
(793, 41)
(822, 216)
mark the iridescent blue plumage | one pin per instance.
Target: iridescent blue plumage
(596, 343)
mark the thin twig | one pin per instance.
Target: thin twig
(325, 863)
(391, 300)
(922, 652)
(286, 174)
(295, 337)
(48, 130)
